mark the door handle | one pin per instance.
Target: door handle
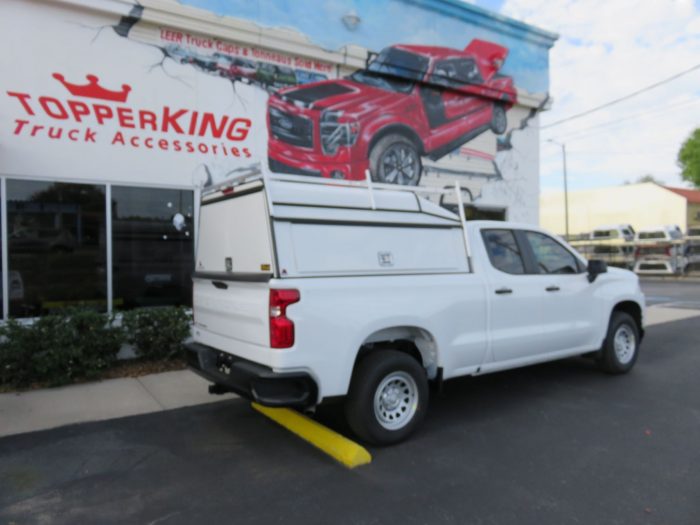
(504, 291)
(552, 288)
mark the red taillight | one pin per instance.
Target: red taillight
(668, 251)
(281, 328)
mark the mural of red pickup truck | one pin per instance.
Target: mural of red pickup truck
(409, 102)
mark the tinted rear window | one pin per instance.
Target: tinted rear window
(652, 235)
(608, 234)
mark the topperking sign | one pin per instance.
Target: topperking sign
(88, 108)
(119, 100)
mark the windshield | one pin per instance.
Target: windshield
(393, 70)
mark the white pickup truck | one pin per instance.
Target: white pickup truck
(306, 290)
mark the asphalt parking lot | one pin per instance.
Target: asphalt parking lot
(677, 293)
(557, 443)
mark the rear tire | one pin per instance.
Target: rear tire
(621, 347)
(388, 397)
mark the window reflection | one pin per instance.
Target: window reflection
(56, 246)
(503, 251)
(10, 279)
(153, 249)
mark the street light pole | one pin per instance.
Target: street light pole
(566, 186)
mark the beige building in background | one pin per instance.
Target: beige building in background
(641, 205)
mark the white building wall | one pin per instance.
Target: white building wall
(641, 205)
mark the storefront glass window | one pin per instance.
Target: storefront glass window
(56, 246)
(2, 283)
(152, 247)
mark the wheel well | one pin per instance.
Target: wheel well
(400, 130)
(414, 341)
(633, 310)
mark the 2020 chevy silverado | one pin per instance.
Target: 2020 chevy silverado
(306, 291)
(410, 101)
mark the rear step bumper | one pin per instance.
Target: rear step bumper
(251, 380)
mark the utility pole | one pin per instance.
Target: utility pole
(566, 186)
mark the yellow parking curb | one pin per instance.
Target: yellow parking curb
(338, 447)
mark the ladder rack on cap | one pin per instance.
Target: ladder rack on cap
(254, 173)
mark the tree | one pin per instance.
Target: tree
(648, 178)
(689, 158)
(644, 178)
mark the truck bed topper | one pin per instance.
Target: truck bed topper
(292, 201)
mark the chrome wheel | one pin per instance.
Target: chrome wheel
(399, 164)
(396, 400)
(624, 343)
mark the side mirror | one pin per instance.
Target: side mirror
(595, 268)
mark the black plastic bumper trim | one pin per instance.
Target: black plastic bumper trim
(251, 380)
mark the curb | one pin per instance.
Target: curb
(335, 445)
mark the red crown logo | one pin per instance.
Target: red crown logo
(93, 90)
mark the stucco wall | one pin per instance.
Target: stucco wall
(641, 205)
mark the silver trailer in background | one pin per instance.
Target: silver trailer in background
(661, 250)
(623, 232)
(615, 252)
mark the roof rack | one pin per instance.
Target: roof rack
(242, 175)
(255, 172)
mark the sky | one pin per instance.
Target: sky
(606, 50)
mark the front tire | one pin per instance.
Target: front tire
(395, 159)
(388, 397)
(621, 347)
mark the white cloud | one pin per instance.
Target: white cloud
(607, 50)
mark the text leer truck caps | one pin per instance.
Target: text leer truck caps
(308, 289)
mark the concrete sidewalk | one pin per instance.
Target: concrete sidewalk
(112, 398)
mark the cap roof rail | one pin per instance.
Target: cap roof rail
(255, 172)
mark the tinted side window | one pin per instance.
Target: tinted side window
(550, 256)
(456, 73)
(503, 251)
(445, 74)
(468, 72)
